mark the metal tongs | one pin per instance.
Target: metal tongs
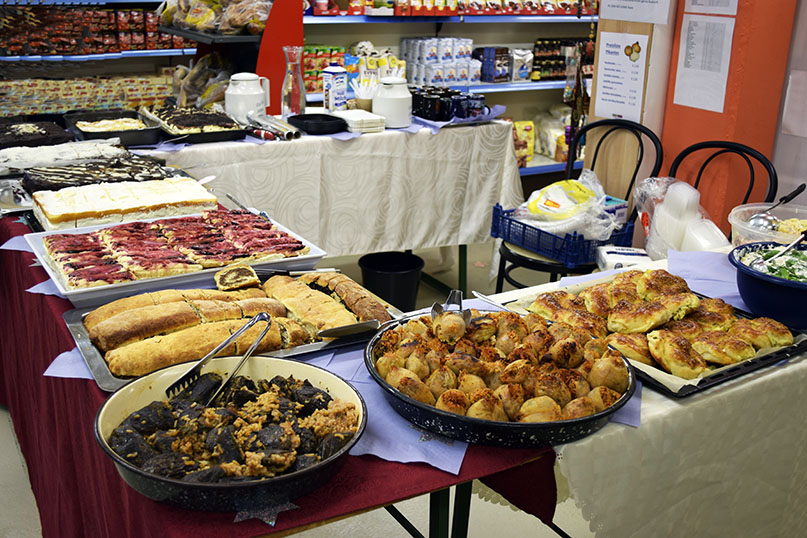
(454, 300)
(195, 372)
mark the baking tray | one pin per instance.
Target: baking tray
(654, 377)
(132, 137)
(74, 319)
(200, 279)
(203, 138)
(13, 197)
(318, 124)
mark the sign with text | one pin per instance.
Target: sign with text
(620, 76)
(654, 11)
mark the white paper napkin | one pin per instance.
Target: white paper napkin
(69, 364)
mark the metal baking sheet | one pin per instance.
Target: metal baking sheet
(200, 279)
(13, 198)
(132, 137)
(654, 377)
(203, 138)
(74, 319)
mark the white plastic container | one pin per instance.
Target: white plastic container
(742, 233)
(703, 234)
(682, 200)
(247, 92)
(334, 88)
(393, 101)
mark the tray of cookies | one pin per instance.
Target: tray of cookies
(680, 342)
(96, 264)
(133, 336)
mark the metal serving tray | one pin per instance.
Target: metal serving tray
(13, 197)
(660, 381)
(74, 319)
(200, 279)
(131, 137)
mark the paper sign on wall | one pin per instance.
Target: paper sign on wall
(703, 62)
(655, 11)
(712, 7)
(620, 76)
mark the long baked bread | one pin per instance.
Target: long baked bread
(346, 290)
(313, 309)
(144, 322)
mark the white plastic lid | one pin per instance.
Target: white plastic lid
(393, 80)
(243, 77)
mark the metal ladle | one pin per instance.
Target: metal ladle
(765, 220)
(760, 263)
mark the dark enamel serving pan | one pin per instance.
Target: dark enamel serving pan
(489, 432)
(225, 496)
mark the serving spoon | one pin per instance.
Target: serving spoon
(767, 221)
(760, 263)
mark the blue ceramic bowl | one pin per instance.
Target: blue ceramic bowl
(770, 296)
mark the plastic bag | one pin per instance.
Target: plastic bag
(180, 72)
(672, 217)
(570, 206)
(204, 15)
(214, 91)
(246, 14)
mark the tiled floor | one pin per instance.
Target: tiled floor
(19, 517)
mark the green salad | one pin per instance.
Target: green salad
(792, 266)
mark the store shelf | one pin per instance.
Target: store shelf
(513, 87)
(100, 56)
(208, 39)
(358, 19)
(73, 2)
(541, 164)
(470, 19)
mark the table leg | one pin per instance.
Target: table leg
(463, 269)
(405, 523)
(462, 510)
(438, 513)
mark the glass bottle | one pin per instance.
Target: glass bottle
(293, 97)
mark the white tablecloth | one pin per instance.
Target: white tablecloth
(385, 191)
(731, 461)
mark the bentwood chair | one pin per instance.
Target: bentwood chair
(728, 148)
(513, 256)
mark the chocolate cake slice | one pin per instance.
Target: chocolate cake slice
(40, 133)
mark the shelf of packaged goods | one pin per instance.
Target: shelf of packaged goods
(207, 39)
(99, 56)
(541, 164)
(76, 3)
(501, 87)
(470, 19)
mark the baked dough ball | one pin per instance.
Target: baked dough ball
(561, 330)
(416, 362)
(675, 354)
(386, 361)
(578, 385)
(441, 380)
(637, 318)
(714, 315)
(493, 373)
(481, 329)
(236, 276)
(454, 401)
(535, 322)
(627, 278)
(594, 349)
(407, 383)
(680, 304)
(516, 372)
(469, 383)
(553, 386)
(610, 371)
(508, 341)
(566, 353)
(633, 346)
(722, 348)
(540, 409)
(657, 282)
(578, 408)
(512, 397)
(449, 327)
(762, 332)
(603, 397)
(397, 374)
(623, 292)
(687, 327)
(486, 405)
(550, 303)
(592, 324)
(416, 327)
(510, 321)
(598, 299)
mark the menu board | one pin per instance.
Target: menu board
(621, 76)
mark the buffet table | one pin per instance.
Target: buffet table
(79, 493)
(730, 461)
(387, 191)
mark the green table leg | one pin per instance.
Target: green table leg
(438, 514)
(462, 510)
(405, 523)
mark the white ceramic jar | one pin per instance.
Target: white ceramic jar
(247, 92)
(393, 101)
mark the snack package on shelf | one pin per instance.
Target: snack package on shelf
(525, 133)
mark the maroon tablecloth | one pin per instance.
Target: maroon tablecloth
(79, 493)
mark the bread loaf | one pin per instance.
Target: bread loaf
(313, 309)
(356, 298)
(144, 322)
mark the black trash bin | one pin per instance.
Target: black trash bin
(393, 276)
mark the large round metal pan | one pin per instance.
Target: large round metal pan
(227, 496)
(489, 432)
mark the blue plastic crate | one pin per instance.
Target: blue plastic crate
(571, 250)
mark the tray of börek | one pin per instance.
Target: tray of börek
(679, 342)
(132, 336)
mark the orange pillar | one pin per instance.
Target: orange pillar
(284, 27)
(754, 88)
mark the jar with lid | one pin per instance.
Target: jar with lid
(393, 101)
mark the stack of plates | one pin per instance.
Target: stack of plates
(361, 121)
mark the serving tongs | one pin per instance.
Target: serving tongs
(186, 379)
(454, 300)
